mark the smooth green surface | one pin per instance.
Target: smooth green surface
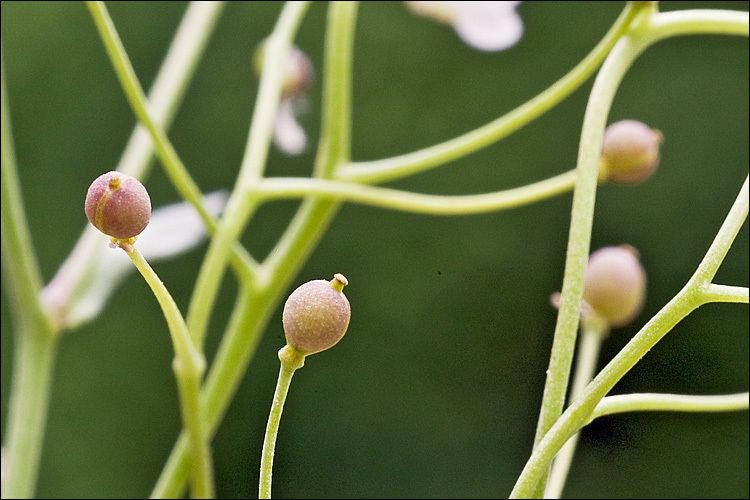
(435, 390)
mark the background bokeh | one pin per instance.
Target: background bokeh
(434, 392)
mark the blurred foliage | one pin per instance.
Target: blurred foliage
(435, 390)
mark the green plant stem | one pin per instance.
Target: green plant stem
(589, 346)
(303, 233)
(295, 187)
(174, 167)
(189, 366)
(646, 28)
(582, 214)
(243, 263)
(725, 293)
(670, 402)
(687, 300)
(241, 206)
(171, 82)
(388, 169)
(35, 335)
(164, 98)
(290, 362)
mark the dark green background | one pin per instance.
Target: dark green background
(434, 392)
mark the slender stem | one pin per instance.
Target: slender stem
(243, 263)
(294, 187)
(290, 362)
(137, 98)
(241, 206)
(720, 246)
(171, 81)
(670, 402)
(249, 319)
(726, 293)
(164, 98)
(35, 335)
(686, 301)
(588, 354)
(439, 154)
(582, 214)
(189, 367)
(252, 313)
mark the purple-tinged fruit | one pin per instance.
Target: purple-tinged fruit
(316, 315)
(630, 152)
(118, 205)
(615, 284)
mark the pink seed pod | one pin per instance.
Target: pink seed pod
(630, 152)
(118, 205)
(316, 315)
(615, 284)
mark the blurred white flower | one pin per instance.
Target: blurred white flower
(173, 230)
(288, 135)
(486, 26)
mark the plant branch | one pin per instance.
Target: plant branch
(295, 187)
(35, 335)
(388, 169)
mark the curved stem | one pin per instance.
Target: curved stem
(290, 362)
(294, 187)
(670, 402)
(35, 335)
(686, 301)
(137, 98)
(582, 215)
(189, 367)
(167, 91)
(240, 206)
(374, 172)
(726, 293)
(258, 301)
(588, 354)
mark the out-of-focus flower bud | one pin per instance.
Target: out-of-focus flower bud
(630, 152)
(615, 285)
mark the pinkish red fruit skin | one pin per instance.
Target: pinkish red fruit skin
(615, 284)
(118, 205)
(315, 317)
(630, 150)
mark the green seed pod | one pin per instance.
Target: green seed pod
(118, 205)
(615, 284)
(630, 152)
(316, 315)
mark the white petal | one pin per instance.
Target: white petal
(489, 26)
(288, 135)
(177, 228)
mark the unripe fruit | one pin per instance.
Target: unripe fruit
(316, 315)
(630, 152)
(118, 205)
(615, 284)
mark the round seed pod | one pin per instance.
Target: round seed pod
(316, 315)
(615, 284)
(630, 152)
(118, 205)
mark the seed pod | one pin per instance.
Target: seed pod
(118, 205)
(316, 315)
(630, 152)
(615, 284)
